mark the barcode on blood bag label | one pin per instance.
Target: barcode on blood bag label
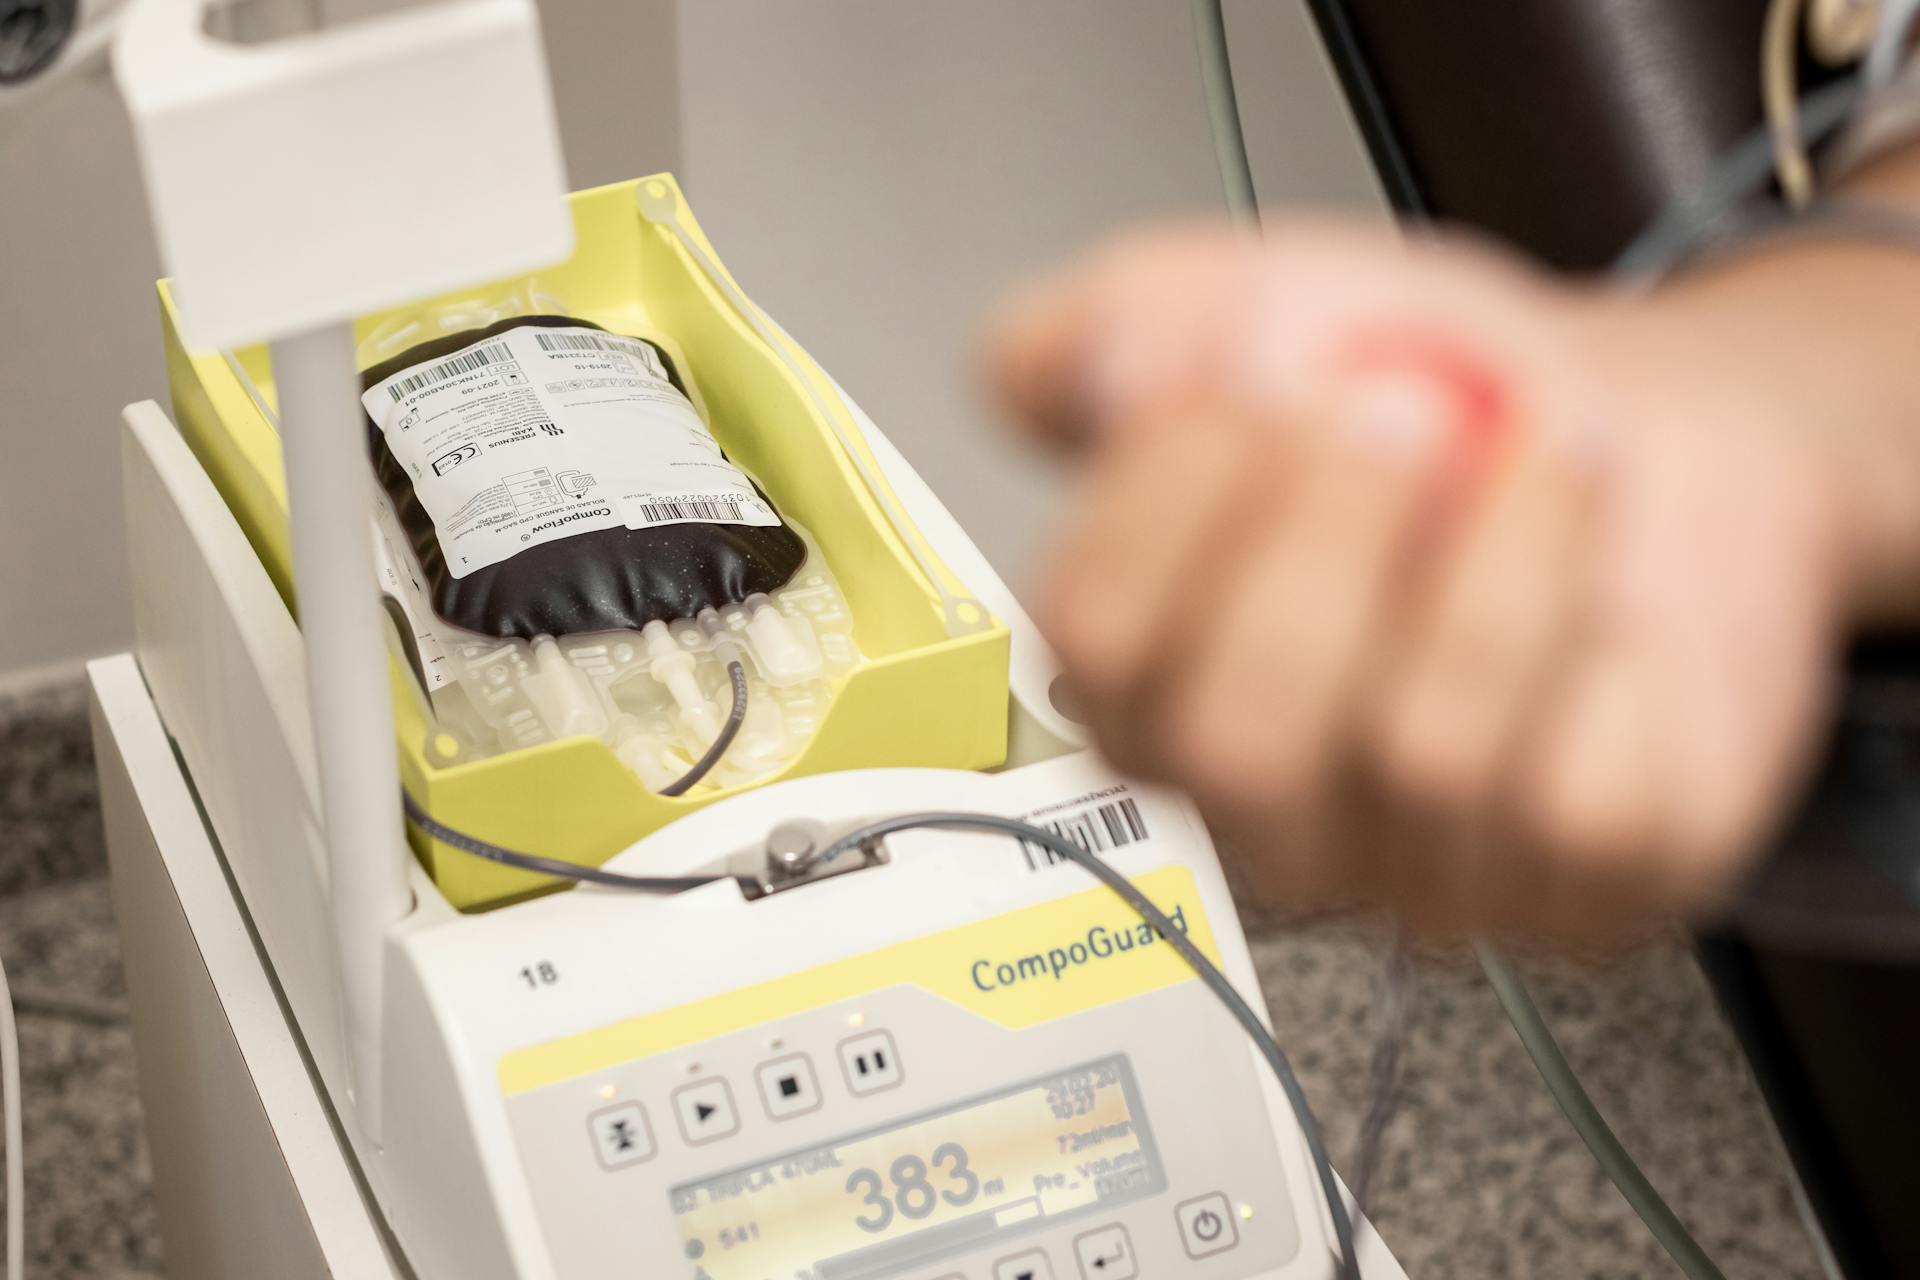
(476, 359)
(1095, 828)
(727, 510)
(603, 342)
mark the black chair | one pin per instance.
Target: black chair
(1563, 126)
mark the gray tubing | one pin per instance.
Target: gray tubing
(1588, 1122)
(1223, 111)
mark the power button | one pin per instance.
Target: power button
(1207, 1226)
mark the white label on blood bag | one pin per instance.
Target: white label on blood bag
(394, 568)
(536, 434)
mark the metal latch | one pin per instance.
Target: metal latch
(790, 857)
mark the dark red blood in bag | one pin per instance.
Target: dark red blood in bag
(601, 580)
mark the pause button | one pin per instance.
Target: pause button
(870, 1063)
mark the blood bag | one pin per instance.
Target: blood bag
(577, 554)
(554, 479)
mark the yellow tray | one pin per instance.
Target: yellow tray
(920, 698)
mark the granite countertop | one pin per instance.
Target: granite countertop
(1480, 1174)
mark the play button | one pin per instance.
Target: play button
(706, 1112)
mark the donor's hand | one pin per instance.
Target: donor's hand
(1442, 584)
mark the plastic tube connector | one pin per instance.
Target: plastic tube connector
(563, 696)
(646, 755)
(763, 743)
(783, 657)
(673, 667)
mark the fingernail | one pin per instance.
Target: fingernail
(1405, 418)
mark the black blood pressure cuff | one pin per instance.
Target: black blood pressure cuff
(1844, 876)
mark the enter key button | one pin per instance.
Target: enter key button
(1106, 1254)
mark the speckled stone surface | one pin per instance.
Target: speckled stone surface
(1480, 1176)
(49, 813)
(90, 1207)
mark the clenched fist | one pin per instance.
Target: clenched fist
(1446, 585)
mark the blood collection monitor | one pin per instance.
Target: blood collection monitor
(1017, 1080)
(951, 1057)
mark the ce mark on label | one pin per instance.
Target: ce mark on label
(448, 461)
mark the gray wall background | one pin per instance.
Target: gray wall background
(877, 172)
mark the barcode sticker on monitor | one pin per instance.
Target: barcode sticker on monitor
(469, 362)
(1095, 828)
